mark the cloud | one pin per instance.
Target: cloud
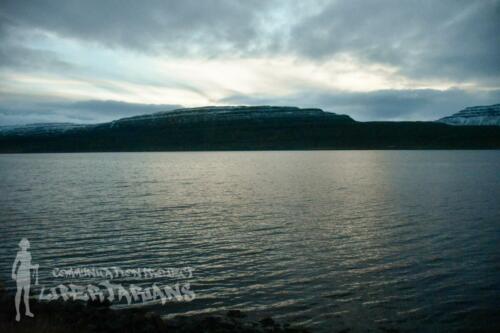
(16, 57)
(157, 25)
(33, 109)
(408, 104)
(450, 39)
(383, 59)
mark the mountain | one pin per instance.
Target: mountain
(244, 128)
(219, 115)
(475, 115)
(39, 128)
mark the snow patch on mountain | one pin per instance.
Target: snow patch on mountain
(475, 115)
(39, 128)
(226, 112)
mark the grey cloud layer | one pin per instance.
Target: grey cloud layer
(452, 39)
(154, 25)
(457, 39)
(29, 109)
(419, 104)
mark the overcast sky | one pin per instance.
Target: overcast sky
(98, 60)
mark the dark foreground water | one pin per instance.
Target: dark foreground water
(330, 239)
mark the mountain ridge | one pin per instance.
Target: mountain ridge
(486, 115)
(245, 128)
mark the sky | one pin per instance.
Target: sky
(98, 60)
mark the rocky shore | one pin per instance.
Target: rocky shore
(79, 317)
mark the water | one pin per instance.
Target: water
(328, 239)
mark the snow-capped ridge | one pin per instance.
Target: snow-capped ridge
(40, 128)
(227, 112)
(184, 116)
(476, 115)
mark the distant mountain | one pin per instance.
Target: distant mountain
(39, 128)
(243, 128)
(220, 114)
(475, 115)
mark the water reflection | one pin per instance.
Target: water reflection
(357, 238)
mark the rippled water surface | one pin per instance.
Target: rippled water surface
(328, 239)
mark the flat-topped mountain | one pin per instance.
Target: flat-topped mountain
(475, 115)
(208, 114)
(243, 128)
(222, 114)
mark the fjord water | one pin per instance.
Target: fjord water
(329, 239)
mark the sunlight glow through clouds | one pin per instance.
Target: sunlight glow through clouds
(197, 82)
(114, 73)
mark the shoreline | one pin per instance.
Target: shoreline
(83, 317)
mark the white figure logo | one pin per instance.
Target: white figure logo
(22, 276)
